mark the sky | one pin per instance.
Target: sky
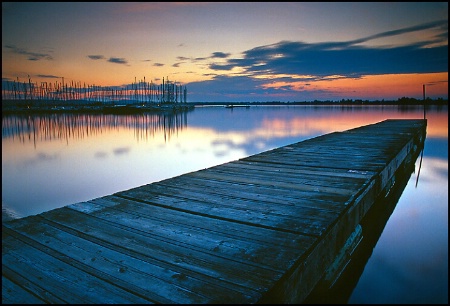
(232, 51)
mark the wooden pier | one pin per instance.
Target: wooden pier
(262, 229)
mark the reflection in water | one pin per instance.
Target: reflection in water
(372, 226)
(105, 155)
(420, 166)
(45, 127)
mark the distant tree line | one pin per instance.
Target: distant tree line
(399, 101)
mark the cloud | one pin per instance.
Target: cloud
(117, 60)
(347, 59)
(220, 55)
(40, 158)
(228, 88)
(293, 62)
(32, 56)
(214, 55)
(121, 150)
(48, 76)
(96, 57)
(324, 60)
(436, 82)
(114, 60)
(158, 64)
(441, 24)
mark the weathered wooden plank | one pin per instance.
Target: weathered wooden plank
(12, 293)
(268, 197)
(261, 229)
(295, 288)
(325, 173)
(346, 160)
(328, 200)
(239, 198)
(55, 273)
(216, 244)
(24, 282)
(243, 214)
(304, 179)
(189, 260)
(323, 163)
(149, 276)
(211, 225)
(155, 241)
(288, 185)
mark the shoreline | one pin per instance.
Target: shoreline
(10, 107)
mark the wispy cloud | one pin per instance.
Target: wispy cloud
(117, 60)
(96, 57)
(214, 55)
(436, 82)
(40, 158)
(347, 59)
(114, 60)
(32, 56)
(48, 76)
(440, 24)
(121, 150)
(296, 65)
(158, 64)
(220, 55)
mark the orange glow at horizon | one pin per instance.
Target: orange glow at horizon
(339, 121)
(378, 86)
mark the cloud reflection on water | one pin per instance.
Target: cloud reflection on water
(154, 147)
(46, 166)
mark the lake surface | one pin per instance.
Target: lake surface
(49, 161)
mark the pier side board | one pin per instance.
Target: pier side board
(262, 229)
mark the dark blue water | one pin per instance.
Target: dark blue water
(50, 161)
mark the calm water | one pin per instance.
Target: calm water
(51, 161)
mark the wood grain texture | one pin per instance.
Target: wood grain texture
(260, 229)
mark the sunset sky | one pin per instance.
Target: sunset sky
(231, 52)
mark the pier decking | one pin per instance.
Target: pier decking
(262, 229)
